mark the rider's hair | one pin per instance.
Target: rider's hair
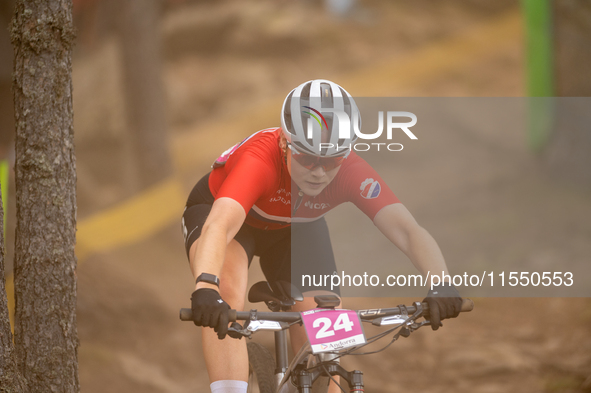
(283, 146)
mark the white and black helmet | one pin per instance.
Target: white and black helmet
(312, 121)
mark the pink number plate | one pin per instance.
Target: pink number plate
(332, 330)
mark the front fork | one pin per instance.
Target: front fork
(280, 356)
(302, 379)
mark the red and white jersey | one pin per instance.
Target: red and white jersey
(254, 174)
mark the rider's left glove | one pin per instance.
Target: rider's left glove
(210, 310)
(444, 302)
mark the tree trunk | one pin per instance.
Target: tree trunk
(6, 102)
(568, 150)
(144, 90)
(572, 33)
(10, 378)
(46, 338)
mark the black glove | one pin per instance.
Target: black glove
(209, 310)
(444, 302)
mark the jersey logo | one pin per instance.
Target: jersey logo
(370, 188)
(318, 205)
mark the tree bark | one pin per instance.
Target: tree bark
(144, 90)
(10, 378)
(46, 338)
(572, 33)
(567, 152)
(6, 102)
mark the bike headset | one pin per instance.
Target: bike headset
(311, 118)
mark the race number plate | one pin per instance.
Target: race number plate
(332, 330)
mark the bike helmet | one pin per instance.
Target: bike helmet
(312, 114)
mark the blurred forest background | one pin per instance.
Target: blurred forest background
(161, 87)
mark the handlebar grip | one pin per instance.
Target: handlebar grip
(467, 305)
(186, 314)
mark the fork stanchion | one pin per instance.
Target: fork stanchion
(356, 381)
(281, 351)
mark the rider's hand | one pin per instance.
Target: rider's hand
(210, 310)
(444, 302)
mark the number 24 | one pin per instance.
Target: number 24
(342, 322)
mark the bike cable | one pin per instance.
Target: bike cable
(372, 340)
(332, 378)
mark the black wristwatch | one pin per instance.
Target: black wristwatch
(209, 278)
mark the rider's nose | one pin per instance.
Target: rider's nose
(318, 171)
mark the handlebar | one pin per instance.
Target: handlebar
(366, 315)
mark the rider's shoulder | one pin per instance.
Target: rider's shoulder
(262, 146)
(267, 136)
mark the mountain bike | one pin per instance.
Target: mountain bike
(332, 334)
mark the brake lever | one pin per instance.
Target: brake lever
(411, 324)
(416, 325)
(419, 313)
(421, 324)
(237, 331)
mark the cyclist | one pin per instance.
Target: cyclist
(277, 185)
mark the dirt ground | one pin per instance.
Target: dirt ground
(131, 338)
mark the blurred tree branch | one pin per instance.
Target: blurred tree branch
(568, 151)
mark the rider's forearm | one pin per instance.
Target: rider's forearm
(222, 224)
(424, 252)
(400, 227)
(208, 256)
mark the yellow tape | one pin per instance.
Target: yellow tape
(434, 60)
(126, 223)
(132, 220)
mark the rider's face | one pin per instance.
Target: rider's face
(310, 181)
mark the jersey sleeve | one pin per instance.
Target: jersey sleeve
(363, 186)
(249, 179)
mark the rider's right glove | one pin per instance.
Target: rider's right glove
(209, 310)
